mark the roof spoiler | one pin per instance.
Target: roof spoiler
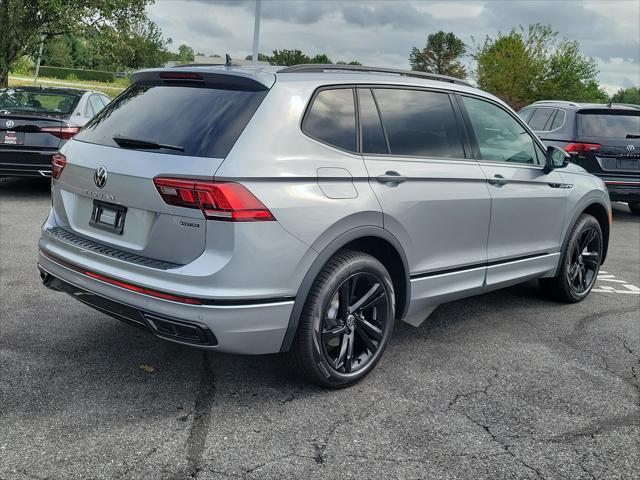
(222, 78)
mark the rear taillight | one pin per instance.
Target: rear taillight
(575, 148)
(64, 133)
(58, 162)
(227, 201)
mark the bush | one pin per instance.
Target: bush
(22, 66)
(74, 74)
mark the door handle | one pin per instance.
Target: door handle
(391, 177)
(497, 180)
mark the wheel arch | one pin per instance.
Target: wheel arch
(598, 210)
(373, 240)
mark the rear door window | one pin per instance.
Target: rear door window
(540, 118)
(204, 122)
(558, 119)
(96, 103)
(609, 123)
(419, 123)
(332, 118)
(373, 138)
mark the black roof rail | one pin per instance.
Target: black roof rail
(322, 67)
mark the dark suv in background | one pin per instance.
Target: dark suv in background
(603, 139)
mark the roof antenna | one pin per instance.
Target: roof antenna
(227, 61)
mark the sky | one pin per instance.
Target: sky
(381, 33)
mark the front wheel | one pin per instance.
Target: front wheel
(581, 260)
(634, 207)
(346, 322)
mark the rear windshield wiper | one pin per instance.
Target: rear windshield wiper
(633, 135)
(135, 143)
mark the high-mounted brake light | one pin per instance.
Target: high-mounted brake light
(575, 148)
(227, 201)
(58, 162)
(64, 133)
(180, 76)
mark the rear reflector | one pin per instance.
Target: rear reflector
(578, 147)
(58, 162)
(64, 133)
(125, 285)
(227, 201)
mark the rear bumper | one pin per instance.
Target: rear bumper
(622, 189)
(26, 163)
(243, 328)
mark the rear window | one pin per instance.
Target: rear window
(419, 123)
(608, 124)
(332, 118)
(34, 101)
(204, 122)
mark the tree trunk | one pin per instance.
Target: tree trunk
(4, 77)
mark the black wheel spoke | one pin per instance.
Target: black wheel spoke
(586, 239)
(343, 351)
(334, 332)
(348, 360)
(343, 293)
(373, 296)
(369, 343)
(592, 260)
(371, 330)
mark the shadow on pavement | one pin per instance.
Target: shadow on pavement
(29, 187)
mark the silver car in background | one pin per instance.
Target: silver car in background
(306, 209)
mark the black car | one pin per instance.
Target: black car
(36, 121)
(603, 139)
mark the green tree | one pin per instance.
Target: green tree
(289, 57)
(352, 62)
(321, 58)
(58, 52)
(185, 53)
(531, 64)
(627, 95)
(24, 23)
(440, 55)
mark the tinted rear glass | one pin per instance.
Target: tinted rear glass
(205, 122)
(332, 118)
(35, 101)
(419, 123)
(540, 118)
(608, 124)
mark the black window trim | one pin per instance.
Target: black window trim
(456, 113)
(516, 117)
(312, 100)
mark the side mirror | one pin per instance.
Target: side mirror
(555, 158)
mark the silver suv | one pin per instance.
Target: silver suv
(307, 209)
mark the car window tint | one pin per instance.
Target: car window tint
(88, 109)
(373, 140)
(525, 113)
(205, 122)
(500, 137)
(105, 100)
(608, 123)
(419, 123)
(96, 103)
(558, 120)
(539, 118)
(332, 118)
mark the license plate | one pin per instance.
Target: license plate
(629, 164)
(108, 216)
(10, 138)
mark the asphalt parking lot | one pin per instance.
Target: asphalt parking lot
(501, 386)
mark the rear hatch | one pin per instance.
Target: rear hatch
(167, 124)
(35, 118)
(612, 136)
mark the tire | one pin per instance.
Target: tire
(580, 263)
(337, 342)
(634, 207)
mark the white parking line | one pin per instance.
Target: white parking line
(625, 288)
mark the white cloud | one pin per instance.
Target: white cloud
(382, 33)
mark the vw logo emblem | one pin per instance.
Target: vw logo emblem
(630, 148)
(10, 123)
(100, 177)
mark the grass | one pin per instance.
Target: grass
(112, 89)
